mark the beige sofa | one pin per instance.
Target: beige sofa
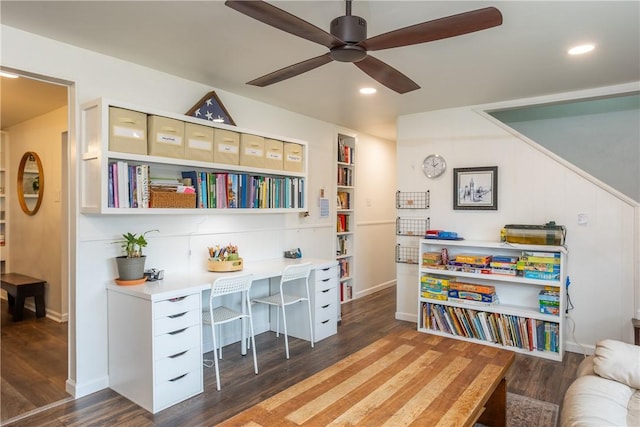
(607, 389)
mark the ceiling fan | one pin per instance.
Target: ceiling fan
(348, 40)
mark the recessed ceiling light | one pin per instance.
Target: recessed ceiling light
(367, 90)
(8, 75)
(583, 48)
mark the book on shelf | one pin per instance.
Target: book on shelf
(505, 329)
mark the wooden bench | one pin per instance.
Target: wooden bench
(19, 287)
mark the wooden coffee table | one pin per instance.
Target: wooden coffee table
(402, 379)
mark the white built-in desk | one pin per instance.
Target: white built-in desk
(156, 338)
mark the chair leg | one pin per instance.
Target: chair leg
(253, 346)
(220, 335)
(277, 323)
(310, 323)
(286, 337)
(215, 354)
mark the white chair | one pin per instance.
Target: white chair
(216, 316)
(282, 299)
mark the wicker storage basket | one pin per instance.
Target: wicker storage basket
(221, 266)
(170, 199)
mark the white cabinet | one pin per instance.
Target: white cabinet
(323, 290)
(155, 348)
(346, 214)
(115, 137)
(517, 321)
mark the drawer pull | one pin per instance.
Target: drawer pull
(179, 377)
(325, 291)
(327, 269)
(174, 316)
(325, 321)
(179, 331)
(325, 306)
(178, 354)
(176, 299)
(326, 280)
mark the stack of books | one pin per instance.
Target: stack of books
(539, 265)
(472, 294)
(504, 264)
(436, 287)
(549, 300)
(471, 263)
(432, 259)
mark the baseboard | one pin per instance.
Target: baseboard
(407, 317)
(53, 315)
(579, 348)
(374, 289)
(82, 390)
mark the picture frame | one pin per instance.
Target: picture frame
(211, 108)
(475, 188)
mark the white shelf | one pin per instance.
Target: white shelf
(95, 158)
(345, 173)
(518, 296)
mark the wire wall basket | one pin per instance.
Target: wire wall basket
(406, 254)
(412, 226)
(412, 199)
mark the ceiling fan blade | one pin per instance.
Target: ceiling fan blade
(386, 75)
(291, 71)
(450, 26)
(278, 18)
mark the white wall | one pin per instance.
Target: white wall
(535, 187)
(34, 246)
(181, 244)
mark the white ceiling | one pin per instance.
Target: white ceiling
(208, 42)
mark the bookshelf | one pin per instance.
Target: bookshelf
(516, 322)
(272, 189)
(345, 214)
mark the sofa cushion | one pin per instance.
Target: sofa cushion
(618, 361)
(595, 401)
(633, 417)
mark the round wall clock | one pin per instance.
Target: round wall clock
(433, 166)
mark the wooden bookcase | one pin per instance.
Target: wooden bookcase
(96, 158)
(525, 329)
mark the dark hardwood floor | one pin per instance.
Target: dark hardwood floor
(363, 322)
(33, 361)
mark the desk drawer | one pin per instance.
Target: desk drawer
(176, 342)
(326, 273)
(325, 328)
(328, 296)
(176, 305)
(176, 365)
(177, 389)
(174, 322)
(326, 311)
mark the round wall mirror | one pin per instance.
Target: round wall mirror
(30, 183)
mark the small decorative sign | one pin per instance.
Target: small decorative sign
(211, 108)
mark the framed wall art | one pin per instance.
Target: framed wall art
(211, 108)
(475, 188)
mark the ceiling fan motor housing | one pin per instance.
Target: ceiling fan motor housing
(350, 29)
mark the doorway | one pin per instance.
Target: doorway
(35, 351)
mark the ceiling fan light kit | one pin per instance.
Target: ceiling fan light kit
(348, 42)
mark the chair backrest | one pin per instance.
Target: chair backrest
(296, 271)
(231, 284)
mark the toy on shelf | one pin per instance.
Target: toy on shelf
(224, 258)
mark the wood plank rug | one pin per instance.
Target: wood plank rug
(402, 379)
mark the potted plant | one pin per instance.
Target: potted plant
(131, 265)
